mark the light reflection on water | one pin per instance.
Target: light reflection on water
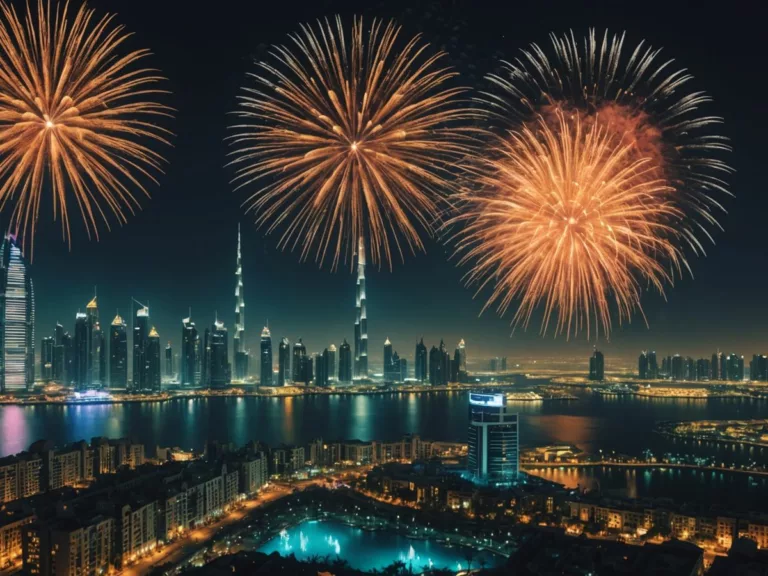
(623, 424)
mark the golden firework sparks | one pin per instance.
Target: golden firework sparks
(600, 172)
(350, 137)
(567, 217)
(75, 113)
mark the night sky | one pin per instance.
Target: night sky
(180, 250)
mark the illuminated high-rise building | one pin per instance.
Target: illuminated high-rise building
(118, 353)
(723, 370)
(361, 318)
(462, 350)
(439, 365)
(758, 368)
(388, 367)
(154, 370)
(284, 363)
(332, 358)
(642, 366)
(58, 373)
(345, 363)
(241, 355)
(299, 374)
(17, 320)
(141, 329)
(420, 362)
(493, 439)
(99, 353)
(46, 359)
(67, 343)
(735, 367)
(653, 365)
(714, 367)
(95, 345)
(169, 368)
(59, 364)
(219, 368)
(190, 353)
(321, 369)
(597, 366)
(80, 353)
(265, 357)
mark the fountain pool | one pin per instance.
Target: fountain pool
(369, 550)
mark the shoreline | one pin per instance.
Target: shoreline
(235, 393)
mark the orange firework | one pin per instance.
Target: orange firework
(73, 114)
(349, 138)
(600, 172)
(567, 216)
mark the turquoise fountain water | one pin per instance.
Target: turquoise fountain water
(369, 550)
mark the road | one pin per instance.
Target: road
(199, 538)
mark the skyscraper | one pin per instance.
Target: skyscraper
(420, 362)
(758, 368)
(439, 365)
(99, 353)
(220, 374)
(493, 439)
(154, 370)
(714, 367)
(190, 353)
(169, 368)
(597, 366)
(59, 365)
(345, 363)
(299, 374)
(642, 366)
(735, 368)
(241, 355)
(68, 345)
(140, 350)
(333, 374)
(118, 353)
(95, 344)
(403, 369)
(17, 320)
(205, 362)
(361, 319)
(653, 365)
(46, 359)
(462, 349)
(80, 352)
(723, 366)
(265, 357)
(677, 368)
(284, 363)
(321, 369)
(391, 363)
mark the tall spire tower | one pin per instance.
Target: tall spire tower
(241, 355)
(361, 319)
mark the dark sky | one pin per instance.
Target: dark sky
(180, 250)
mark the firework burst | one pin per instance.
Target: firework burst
(74, 115)
(349, 137)
(599, 174)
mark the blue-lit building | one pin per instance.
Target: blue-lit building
(266, 357)
(17, 320)
(493, 438)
